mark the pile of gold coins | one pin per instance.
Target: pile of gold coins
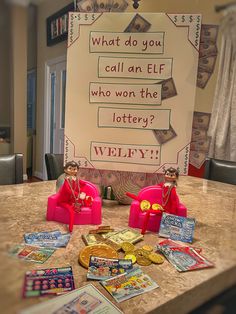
(143, 256)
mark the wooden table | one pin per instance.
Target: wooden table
(213, 204)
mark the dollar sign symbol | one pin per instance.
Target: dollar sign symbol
(175, 18)
(198, 18)
(86, 17)
(86, 163)
(190, 18)
(183, 18)
(66, 150)
(93, 17)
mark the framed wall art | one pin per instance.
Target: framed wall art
(57, 25)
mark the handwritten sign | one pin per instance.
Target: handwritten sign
(125, 153)
(127, 43)
(140, 94)
(148, 119)
(131, 81)
(146, 68)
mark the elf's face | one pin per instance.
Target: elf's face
(170, 177)
(71, 171)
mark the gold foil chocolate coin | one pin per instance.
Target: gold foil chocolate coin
(147, 248)
(127, 246)
(157, 207)
(141, 252)
(145, 205)
(132, 257)
(100, 250)
(156, 258)
(143, 261)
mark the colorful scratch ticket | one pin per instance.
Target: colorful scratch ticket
(177, 228)
(31, 253)
(40, 282)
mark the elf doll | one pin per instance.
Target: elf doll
(170, 200)
(71, 195)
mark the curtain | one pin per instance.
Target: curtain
(222, 128)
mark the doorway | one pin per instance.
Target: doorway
(31, 121)
(55, 95)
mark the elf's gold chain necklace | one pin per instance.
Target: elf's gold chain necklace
(166, 196)
(73, 190)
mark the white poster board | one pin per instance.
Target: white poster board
(131, 81)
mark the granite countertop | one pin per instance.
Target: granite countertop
(213, 204)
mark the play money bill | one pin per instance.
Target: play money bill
(119, 5)
(201, 145)
(102, 5)
(197, 158)
(168, 88)
(201, 120)
(86, 6)
(138, 25)
(202, 78)
(164, 136)
(209, 32)
(198, 134)
(207, 49)
(207, 63)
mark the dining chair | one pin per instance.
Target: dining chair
(11, 169)
(220, 170)
(54, 165)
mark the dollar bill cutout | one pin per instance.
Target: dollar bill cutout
(198, 134)
(207, 63)
(202, 78)
(101, 239)
(164, 136)
(138, 25)
(209, 33)
(91, 239)
(102, 5)
(85, 6)
(207, 49)
(126, 235)
(119, 5)
(207, 54)
(197, 159)
(200, 145)
(201, 120)
(168, 88)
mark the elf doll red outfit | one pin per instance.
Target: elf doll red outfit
(71, 195)
(170, 199)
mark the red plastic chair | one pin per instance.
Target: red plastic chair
(91, 215)
(150, 219)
